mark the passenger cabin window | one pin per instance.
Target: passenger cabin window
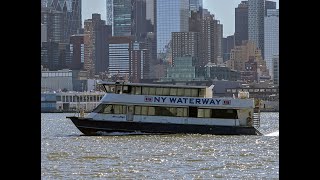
(110, 88)
(159, 91)
(224, 113)
(201, 92)
(138, 90)
(194, 92)
(187, 92)
(173, 91)
(166, 91)
(145, 90)
(180, 92)
(152, 91)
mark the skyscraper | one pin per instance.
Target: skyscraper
(109, 15)
(241, 23)
(196, 5)
(95, 45)
(72, 15)
(185, 44)
(139, 22)
(171, 16)
(271, 37)
(269, 5)
(122, 13)
(256, 11)
(54, 22)
(211, 40)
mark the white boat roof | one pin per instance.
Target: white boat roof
(150, 85)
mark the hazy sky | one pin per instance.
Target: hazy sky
(222, 9)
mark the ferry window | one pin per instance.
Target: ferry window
(124, 109)
(207, 113)
(182, 112)
(137, 110)
(159, 90)
(94, 98)
(173, 91)
(166, 92)
(224, 113)
(152, 91)
(80, 98)
(90, 98)
(173, 111)
(194, 92)
(144, 110)
(117, 109)
(63, 99)
(145, 90)
(162, 111)
(187, 92)
(125, 89)
(58, 98)
(180, 92)
(108, 109)
(99, 108)
(201, 93)
(200, 113)
(75, 98)
(151, 111)
(133, 90)
(118, 89)
(138, 90)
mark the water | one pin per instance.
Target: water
(67, 154)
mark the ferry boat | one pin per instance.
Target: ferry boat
(167, 109)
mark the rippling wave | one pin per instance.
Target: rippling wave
(67, 154)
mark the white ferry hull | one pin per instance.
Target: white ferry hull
(92, 127)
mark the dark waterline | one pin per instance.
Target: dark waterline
(67, 154)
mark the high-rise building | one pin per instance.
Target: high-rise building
(109, 15)
(150, 13)
(122, 13)
(43, 33)
(256, 12)
(196, 5)
(72, 15)
(270, 5)
(242, 56)
(140, 25)
(119, 55)
(218, 35)
(171, 16)
(95, 45)
(137, 62)
(271, 37)
(195, 21)
(275, 62)
(54, 22)
(50, 55)
(77, 50)
(227, 44)
(211, 40)
(185, 44)
(241, 23)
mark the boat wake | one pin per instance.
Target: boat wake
(121, 133)
(276, 133)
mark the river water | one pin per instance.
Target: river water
(67, 154)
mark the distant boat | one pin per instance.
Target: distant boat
(167, 109)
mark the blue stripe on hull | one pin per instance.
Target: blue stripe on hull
(93, 127)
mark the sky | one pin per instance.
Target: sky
(222, 9)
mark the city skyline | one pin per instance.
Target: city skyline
(224, 11)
